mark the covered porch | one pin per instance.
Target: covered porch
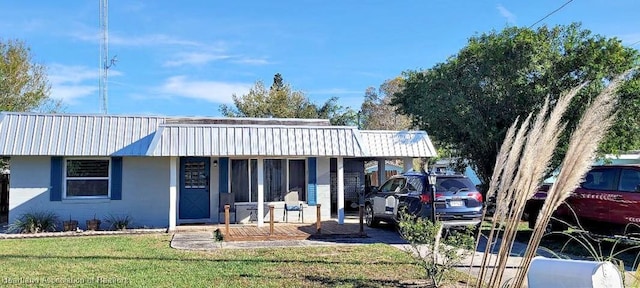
(253, 164)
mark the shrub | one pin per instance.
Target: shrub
(437, 255)
(35, 222)
(118, 222)
(218, 236)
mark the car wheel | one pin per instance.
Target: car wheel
(552, 226)
(555, 226)
(368, 216)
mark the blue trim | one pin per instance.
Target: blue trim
(116, 178)
(55, 192)
(223, 164)
(312, 197)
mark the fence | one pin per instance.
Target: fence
(373, 177)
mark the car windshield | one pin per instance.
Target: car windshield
(454, 185)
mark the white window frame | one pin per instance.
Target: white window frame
(65, 178)
(285, 171)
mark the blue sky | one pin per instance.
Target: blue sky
(188, 57)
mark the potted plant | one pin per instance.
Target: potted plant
(119, 222)
(93, 224)
(71, 225)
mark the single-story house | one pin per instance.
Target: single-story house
(167, 171)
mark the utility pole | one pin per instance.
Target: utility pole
(105, 63)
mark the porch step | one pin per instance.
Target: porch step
(197, 228)
(206, 227)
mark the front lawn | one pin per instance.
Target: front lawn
(147, 260)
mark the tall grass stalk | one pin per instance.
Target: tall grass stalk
(592, 127)
(536, 156)
(527, 163)
(500, 178)
(501, 159)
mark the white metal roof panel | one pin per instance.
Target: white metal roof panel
(255, 140)
(76, 135)
(110, 135)
(398, 143)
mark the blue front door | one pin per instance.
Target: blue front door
(194, 188)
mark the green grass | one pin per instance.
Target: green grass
(147, 260)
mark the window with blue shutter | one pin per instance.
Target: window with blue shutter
(85, 178)
(312, 197)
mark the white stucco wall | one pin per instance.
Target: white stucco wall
(145, 193)
(324, 188)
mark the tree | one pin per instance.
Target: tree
(280, 101)
(278, 82)
(23, 83)
(470, 100)
(377, 113)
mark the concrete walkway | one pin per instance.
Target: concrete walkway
(203, 240)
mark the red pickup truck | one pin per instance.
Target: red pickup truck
(608, 199)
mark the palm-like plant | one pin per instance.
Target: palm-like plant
(35, 222)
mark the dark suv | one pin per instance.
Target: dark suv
(458, 202)
(609, 195)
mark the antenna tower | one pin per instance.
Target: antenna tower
(105, 62)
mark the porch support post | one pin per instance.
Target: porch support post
(407, 164)
(340, 168)
(260, 192)
(381, 171)
(173, 192)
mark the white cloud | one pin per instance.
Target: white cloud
(69, 93)
(72, 82)
(511, 18)
(202, 58)
(212, 91)
(150, 40)
(92, 35)
(59, 73)
(252, 61)
(194, 58)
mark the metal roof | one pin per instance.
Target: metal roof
(75, 135)
(392, 144)
(256, 140)
(110, 135)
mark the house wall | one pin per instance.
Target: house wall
(145, 193)
(324, 188)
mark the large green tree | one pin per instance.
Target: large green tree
(377, 113)
(280, 101)
(23, 83)
(469, 101)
